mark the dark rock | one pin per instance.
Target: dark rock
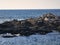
(41, 25)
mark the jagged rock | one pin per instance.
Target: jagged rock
(32, 21)
(41, 25)
(26, 24)
(49, 17)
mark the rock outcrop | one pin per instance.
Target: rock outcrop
(41, 25)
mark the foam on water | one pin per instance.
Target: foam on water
(49, 39)
(3, 20)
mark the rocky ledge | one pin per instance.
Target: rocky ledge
(40, 25)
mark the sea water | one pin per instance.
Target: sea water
(48, 39)
(7, 15)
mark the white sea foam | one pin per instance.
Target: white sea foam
(3, 20)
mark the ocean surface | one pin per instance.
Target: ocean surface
(48, 39)
(6, 15)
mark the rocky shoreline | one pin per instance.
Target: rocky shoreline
(41, 25)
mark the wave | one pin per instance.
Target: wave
(3, 20)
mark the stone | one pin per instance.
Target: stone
(41, 25)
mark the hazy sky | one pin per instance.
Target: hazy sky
(29, 4)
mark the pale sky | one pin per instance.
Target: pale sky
(29, 4)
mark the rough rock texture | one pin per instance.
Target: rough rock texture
(41, 25)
